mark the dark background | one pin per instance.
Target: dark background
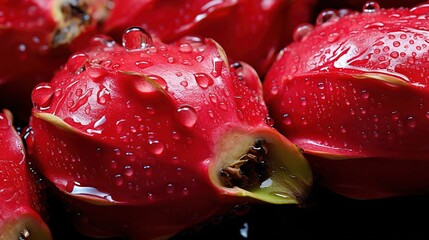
(325, 215)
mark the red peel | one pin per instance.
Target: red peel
(143, 140)
(353, 94)
(19, 218)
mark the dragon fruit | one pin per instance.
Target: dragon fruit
(36, 37)
(225, 21)
(19, 193)
(146, 139)
(352, 92)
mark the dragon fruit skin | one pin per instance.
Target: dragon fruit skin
(352, 92)
(148, 139)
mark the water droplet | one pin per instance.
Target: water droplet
(185, 48)
(119, 180)
(42, 96)
(96, 72)
(213, 98)
(103, 95)
(156, 147)
(333, 37)
(135, 38)
(187, 116)
(238, 69)
(269, 120)
(370, 7)
(302, 31)
(287, 119)
(394, 54)
(129, 171)
(427, 115)
(217, 67)
(170, 188)
(147, 169)
(326, 16)
(411, 122)
(365, 94)
(303, 101)
(143, 64)
(184, 83)
(76, 63)
(199, 58)
(203, 80)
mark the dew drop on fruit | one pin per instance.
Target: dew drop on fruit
(96, 73)
(147, 169)
(103, 95)
(238, 69)
(42, 96)
(302, 31)
(411, 122)
(185, 48)
(135, 38)
(156, 147)
(119, 180)
(326, 16)
(287, 120)
(370, 7)
(143, 64)
(186, 116)
(203, 80)
(128, 171)
(217, 67)
(170, 188)
(76, 63)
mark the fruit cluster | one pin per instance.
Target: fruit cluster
(140, 119)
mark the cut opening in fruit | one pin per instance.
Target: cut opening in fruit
(250, 170)
(25, 227)
(261, 165)
(72, 16)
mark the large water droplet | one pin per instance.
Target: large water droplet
(326, 16)
(187, 116)
(135, 38)
(185, 48)
(370, 7)
(42, 96)
(302, 31)
(143, 64)
(76, 62)
(129, 171)
(156, 147)
(203, 80)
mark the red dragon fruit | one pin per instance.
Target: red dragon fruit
(146, 139)
(19, 218)
(249, 30)
(36, 37)
(353, 93)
